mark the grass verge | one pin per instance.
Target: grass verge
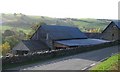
(110, 64)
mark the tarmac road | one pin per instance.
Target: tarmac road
(80, 61)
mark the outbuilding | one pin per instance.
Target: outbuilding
(112, 31)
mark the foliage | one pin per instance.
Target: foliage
(8, 33)
(4, 28)
(95, 30)
(5, 48)
(20, 35)
(12, 40)
(35, 26)
(89, 24)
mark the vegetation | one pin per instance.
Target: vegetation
(25, 22)
(5, 48)
(3, 28)
(110, 64)
(16, 27)
(91, 25)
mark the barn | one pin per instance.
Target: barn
(50, 37)
(50, 34)
(112, 31)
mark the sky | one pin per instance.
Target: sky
(100, 9)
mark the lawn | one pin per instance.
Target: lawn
(110, 64)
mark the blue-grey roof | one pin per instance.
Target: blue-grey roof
(117, 22)
(56, 32)
(31, 45)
(81, 42)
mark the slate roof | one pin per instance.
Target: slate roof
(56, 32)
(31, 45)
(117, 22)
(81, 42)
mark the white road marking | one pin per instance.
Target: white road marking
(93, 64)
(103, 59)
(84, 68)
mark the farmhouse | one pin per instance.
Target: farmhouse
(112, 31)
(50, 37)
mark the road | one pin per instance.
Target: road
(76, 62)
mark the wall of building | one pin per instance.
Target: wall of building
(111, 33)
(42, 35)
(93, 35)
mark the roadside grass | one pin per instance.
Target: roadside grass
(110, 64)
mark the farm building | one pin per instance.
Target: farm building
(49, 37)
(112, 31)
(93, 35)
(26, 46)
(52, 33)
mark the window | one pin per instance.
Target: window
(112, 35)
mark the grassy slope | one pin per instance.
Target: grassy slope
(91, 23)
(110, 64)
(3, 28)
(25, 22)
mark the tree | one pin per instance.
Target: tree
(5, 48)
(35, 26)
(21, 35)
(12, 40)
(94, 30)
(8, 33)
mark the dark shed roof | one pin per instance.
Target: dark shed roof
(81, 42)
(31, 45)
(56, 32)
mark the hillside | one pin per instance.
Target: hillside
(17, 27)
(25, 22)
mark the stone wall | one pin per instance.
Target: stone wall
(53, 54)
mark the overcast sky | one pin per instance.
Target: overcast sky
(107, 9)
